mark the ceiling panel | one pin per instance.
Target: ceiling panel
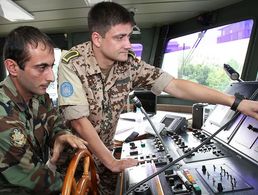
(63, 16)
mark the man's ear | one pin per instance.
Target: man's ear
(96, 39)
(11, 66)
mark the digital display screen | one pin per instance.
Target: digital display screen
(167, 121)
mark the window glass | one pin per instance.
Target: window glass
(137, 48)
(200, 57)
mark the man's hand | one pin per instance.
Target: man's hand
(249, 108)
(120, 165)
(64, 139)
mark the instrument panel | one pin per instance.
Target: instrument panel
(190, 162)
(212, 169)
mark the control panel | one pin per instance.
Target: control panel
(220, 178)
(198, 161)
(212, 169)
(245, 139)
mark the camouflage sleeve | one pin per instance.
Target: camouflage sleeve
(19, 163)
(55, 123)
(146, 75)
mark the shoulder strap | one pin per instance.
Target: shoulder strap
(132, 54)
(70, 55)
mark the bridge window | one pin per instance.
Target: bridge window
(137, 48)
(200, 56)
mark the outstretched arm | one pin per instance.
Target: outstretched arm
(192, 91)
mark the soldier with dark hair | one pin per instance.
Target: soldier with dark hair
(32, 134)
(96, 77)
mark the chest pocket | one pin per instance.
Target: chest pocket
(119, 93)
(94, 93)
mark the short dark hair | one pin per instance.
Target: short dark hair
(18, 40)
(104, 15)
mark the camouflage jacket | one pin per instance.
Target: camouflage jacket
(85, 91)
(26, 132)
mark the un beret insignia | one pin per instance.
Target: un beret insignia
(70, 55)
(18, 139)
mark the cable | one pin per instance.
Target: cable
(185, 155)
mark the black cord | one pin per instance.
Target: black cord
(185, 155)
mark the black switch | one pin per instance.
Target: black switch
(220, 187)
(204, 169)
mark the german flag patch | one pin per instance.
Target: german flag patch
(70, 55)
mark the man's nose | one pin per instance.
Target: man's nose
(50, 75)
(128, 43)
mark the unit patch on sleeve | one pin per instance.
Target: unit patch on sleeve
(66, 89)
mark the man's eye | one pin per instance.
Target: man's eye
(42, 68)
(120, 37)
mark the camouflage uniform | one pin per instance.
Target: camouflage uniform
(26, 131)
(84, 91)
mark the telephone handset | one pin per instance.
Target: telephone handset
(174, 123)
